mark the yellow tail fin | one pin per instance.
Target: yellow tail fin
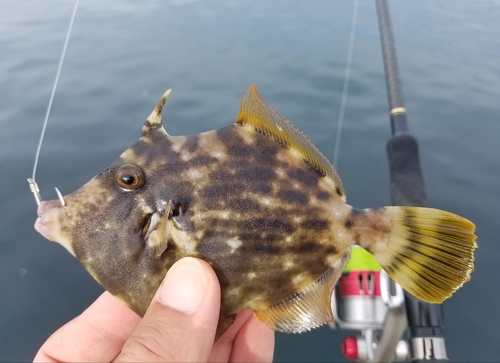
(430, 252)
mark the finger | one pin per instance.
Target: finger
(253, 343)
(224, 345)
(98, 334)
(181, 321)
(247, 340)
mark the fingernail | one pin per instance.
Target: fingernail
(184, 286)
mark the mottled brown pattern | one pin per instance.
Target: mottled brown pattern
(259, 203)
(241, 216)
(370, 228)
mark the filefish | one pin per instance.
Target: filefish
(261, 204)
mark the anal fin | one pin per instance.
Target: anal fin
(308, 309)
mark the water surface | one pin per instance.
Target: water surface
(123, 55)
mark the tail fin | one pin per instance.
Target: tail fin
(430, 252)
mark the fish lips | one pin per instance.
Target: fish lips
(47, 223)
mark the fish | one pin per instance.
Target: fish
(264, 207)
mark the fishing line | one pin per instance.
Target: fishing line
(31, 181)
(347, 76)
(58, 73)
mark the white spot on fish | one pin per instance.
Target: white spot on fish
(341, 235)
(251, 275)
(266, 201)
(333, 260)
(288, 264)
(218, 155)
(224, 215)
(297, 280)
(233, 292)
(288, 239)
(296, 153)
(234, 243)
(189, 247)
(281, 173)
(249, 135)
(258, 302)
(161, 205)
(177, 142)
(128, 154)
(194, 174)
(142, 204)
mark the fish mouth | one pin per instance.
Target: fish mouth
(46, 219)
(47, 223)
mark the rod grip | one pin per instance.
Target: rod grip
(424, 320)
(408, 189)
(407, 182)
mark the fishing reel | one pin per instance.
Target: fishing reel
(366, 300)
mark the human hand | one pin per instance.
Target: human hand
(179, 326)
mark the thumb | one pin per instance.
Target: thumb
(181, 321)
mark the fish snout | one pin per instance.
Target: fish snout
(46, 206)
(48, 225)
(47, 221)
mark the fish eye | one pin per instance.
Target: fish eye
(130, 177)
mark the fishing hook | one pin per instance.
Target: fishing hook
(35, 190)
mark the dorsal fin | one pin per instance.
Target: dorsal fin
(309, 309)
(265, 120)
(153, 122)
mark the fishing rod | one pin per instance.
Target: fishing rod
(366, 299)
(425, 321)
